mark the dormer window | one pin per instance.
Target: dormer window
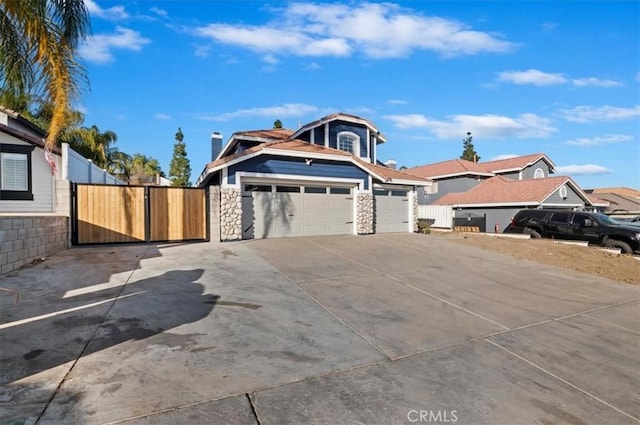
(348, 142)
(538, 174)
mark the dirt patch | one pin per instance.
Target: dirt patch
(592, 260)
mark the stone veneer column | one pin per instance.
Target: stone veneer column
(230, 214)
(364, 213)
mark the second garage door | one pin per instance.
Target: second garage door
(276, 211)
(391, 210)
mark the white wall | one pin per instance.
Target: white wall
(78, 169)
(442, 214)
(43, 183)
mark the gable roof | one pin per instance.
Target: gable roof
(300, 148)
(461, 167)
(450, 168)
(501, 191)
(343, 117)
(619, 203)
(516, 163)
(622, 191)
(262, 136)
(25, 122)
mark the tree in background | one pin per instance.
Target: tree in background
(277, 124)
(469, 153)
(38, 54)
(180, 167)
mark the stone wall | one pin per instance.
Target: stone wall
(364, 213)
(26, 238)
(230, 214)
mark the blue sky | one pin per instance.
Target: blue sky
(557, 77)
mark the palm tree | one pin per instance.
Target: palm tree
(38, 47)
(93, 144)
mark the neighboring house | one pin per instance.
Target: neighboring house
(35, 192)
(496, 190)
(148, 180)
(623, 201)
(27, 173)
(322, 179)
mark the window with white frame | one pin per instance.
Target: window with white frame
(348, 142)
(538, 174)
(15, 172)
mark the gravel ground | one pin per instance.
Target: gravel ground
(623, 268)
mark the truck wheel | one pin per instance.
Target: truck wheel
(533, 233)
(612, 243)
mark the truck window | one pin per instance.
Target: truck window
(559, 217)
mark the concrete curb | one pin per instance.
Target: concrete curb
(577, 243)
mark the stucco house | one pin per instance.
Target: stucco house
(497, 190)
(321, 179)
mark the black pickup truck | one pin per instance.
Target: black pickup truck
(595, 228)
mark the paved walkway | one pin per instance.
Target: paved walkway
(380, 329)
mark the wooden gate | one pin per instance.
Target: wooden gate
(114, 214)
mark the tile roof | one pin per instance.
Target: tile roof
(385, 173)
(462, 166)
(450, 167)
(274, 133)
(619, 202)
(501, 190)
(517, 162)
(623, 191)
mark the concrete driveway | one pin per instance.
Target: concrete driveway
(384, 329)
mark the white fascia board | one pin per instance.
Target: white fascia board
(463, 173)
(299, 179)
(492, 205)
(342, 118)
(575, 188)
(561, 205)
(301, 154)
(410, 182)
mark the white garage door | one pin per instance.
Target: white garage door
(276, 211)
(392, 210)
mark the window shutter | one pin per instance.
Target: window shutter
(15, 172)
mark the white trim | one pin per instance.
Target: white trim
(225, 177)
(462, 173)
(355, 142)
(560, 205)
(520, 175)
(326, 134)
(535, 173)
(544, 157)
(241, 176)
(312, 136)
(312, 155)
(368, 144)
(412, 195)
(575, 188)
(341, 117)
(355, 210)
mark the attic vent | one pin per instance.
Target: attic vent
(539, 173)
(563, 191)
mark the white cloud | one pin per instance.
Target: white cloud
(482, 126)
(375, 30)
(287, 110)
(163, 117)
(585, 142)
(533, 77)
(586, 114)
(547, 27)
(99, 48)
(160, 12)
(114, 13)
(313, 66)
(503, 156)
(586, 169)
(270, 59)
(397, 102)
(595, 82)
(539, 78)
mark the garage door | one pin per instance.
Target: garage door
(276, 211)
(392, 210)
